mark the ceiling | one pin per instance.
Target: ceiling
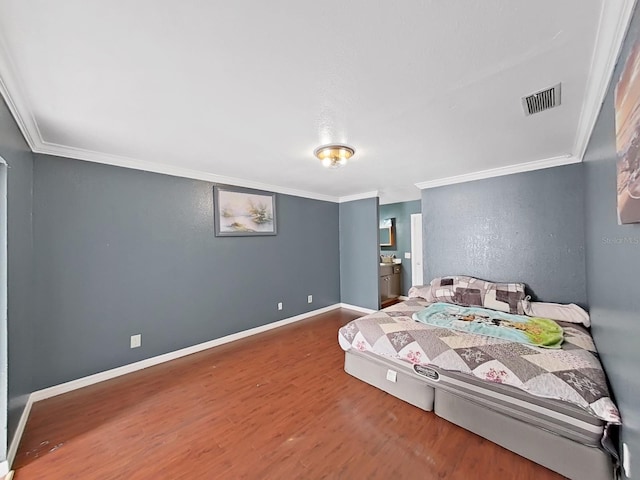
(242, 92)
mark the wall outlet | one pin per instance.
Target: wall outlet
(136, 340)
(279, 305)
(392, 376)
(407, 254)
(626, 460)
(309, 298)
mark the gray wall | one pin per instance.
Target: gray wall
(359, 248)
(20, 294)
(613, 264)
(402, 213)
(526, 227)
(121, 252)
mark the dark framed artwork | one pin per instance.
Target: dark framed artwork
(243, 212)
(627, 109)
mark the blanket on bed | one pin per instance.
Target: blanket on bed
(572, 374)
(540, 332)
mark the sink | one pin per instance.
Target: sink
(396, 261)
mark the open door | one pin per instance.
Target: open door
(416, 250)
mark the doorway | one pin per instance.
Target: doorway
(416, 250)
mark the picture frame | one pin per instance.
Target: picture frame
(627, 124)
(243, 212)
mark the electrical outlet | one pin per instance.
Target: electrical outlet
(136, 340)
(626, 460)
(407, 254)
(309, 298)
(279, 305)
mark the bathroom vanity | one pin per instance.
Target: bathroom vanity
(390, 281)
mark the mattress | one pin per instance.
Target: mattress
(408, 346)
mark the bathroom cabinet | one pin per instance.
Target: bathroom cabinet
(390, 281)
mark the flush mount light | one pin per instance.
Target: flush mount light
(334, 156)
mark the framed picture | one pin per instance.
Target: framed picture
(242, 212)
(627, 106)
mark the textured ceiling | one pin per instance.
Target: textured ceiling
(423, 90)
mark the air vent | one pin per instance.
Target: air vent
(542, 100)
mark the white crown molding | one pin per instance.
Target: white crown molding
(499, 172)
(393, 197)
(16, 100)
(358, 196)
(614, 22)
(47, 148)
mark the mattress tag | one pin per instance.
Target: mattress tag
(430, 373)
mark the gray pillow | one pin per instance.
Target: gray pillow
(472, 292)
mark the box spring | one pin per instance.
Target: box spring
(559, 436)
(373, 370)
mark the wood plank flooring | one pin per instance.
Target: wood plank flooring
(274, 406)
(391, 301)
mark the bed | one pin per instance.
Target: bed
(550, 406)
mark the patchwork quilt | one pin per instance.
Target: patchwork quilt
(572, 374)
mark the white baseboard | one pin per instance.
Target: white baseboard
(17, 436)
(133, 367)
(403, 298)
(150, 362)
(356, 308)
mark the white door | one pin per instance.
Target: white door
(416, 249)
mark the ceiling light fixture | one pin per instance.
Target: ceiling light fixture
(334, 156)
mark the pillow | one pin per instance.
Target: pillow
(472, 292)
(422, 291)
(555, 311)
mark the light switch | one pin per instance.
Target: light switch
(407, 254)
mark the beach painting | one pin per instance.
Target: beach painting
(627, 117)
(243, 212)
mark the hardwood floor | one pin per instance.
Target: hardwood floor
(391, 301)
(274, 406)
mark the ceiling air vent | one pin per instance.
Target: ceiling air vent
(542, 100)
